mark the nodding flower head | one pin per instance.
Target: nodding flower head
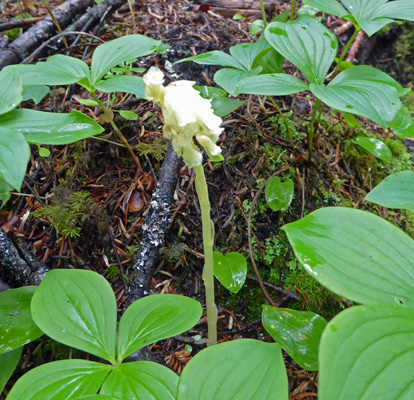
(187, 115)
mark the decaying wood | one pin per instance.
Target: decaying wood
(41, 31)
(18, 23)
(94, 15)
(18, 266)
(153, 231)
(228, 8)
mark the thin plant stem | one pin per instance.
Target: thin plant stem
(348, 45)
(55, 21)
(318, 121)
(263, 13)
(292, 10)
(311, 127)
(285, 121)
(117, 131)
(208, 241)
(134, 25)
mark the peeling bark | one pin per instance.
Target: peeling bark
(19, 266)
(156, 222)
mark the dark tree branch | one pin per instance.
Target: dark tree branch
(156, 222)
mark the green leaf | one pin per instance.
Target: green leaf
(214, 58)
(395, 191)
(129, 115)
(279, 194)
(223, 106)
(298, 332)
(35, 93)
(403, 124)
(241, 369)
(270, 60)
(216, 158)
(230, 270)
(327, 6)
(238, 17)
(57, 70)
(355, 91)
(155, 318)
(66, 379)
(141, 380)
(97, 396)
(44, 152)
(123, 83)
(350, 119)
(117, 51)
(5, 189)
(246, 53)
(229, 78)
(11, 89)
(361, 73)
(256, 26)
(82, 315)
(307, 44)
(50, 128)
(374, 146)
(8, 363)
(282, 17)
(14, 156)
(373, 15)
(17, 325)
(307, 10)
(271, 85)
(210, 92)
(367, 353)
(87, 102)
(356, 254)
(398, 9)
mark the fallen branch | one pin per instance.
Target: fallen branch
(156, 223)
(38, 33)
(18, 23)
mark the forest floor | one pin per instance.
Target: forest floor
(84, 206)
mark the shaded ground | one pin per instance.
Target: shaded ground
(85, 204)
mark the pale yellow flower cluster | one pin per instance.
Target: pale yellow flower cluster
(186, 115)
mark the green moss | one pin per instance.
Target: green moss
(68, 212)
(156, 148)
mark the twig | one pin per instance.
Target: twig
(18, 23)
(282, 291)
(40, 48)
(55, 21)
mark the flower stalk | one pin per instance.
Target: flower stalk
(187, 116)
(208, 242)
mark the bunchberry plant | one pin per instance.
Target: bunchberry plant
(78, 308)
(365, 351)
(18, 130)
(312, 48)
(65, 70)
